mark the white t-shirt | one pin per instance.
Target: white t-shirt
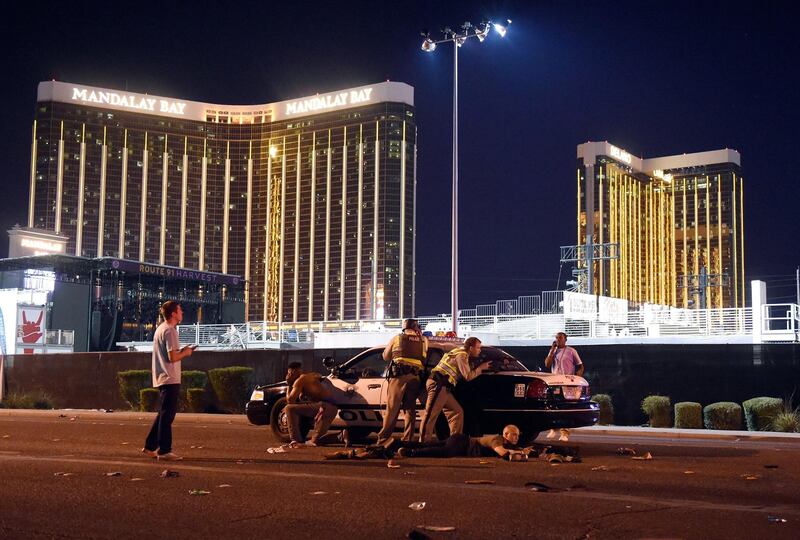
(565, 361)
(164, 341)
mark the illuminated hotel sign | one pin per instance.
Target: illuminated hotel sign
(328, 101)
(41, 247)
(620, 154)
(128, 101)
(25, 242)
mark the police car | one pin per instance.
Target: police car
(508, 393)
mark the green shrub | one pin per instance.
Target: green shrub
(759, 412)
(659, 410)
(606, 408)
(27, 400)
(148, 399)
(786, 421)
(232, 385)
(688, 415)
(196, 400)
(194, 379)
(131, 382)
(723, 415)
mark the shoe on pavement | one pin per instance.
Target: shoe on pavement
(150, 453)
(169, 457)
(551, 434)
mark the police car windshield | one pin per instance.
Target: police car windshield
(500, 360)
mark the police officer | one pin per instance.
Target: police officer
(407, 352)
(453, 368)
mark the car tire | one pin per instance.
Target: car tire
(278, 423)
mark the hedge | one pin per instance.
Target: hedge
(194, 379)
(723, 415)
(760, 412)
(659, 410)
(688, 415)
(232, 385)
(131, 382)
(148, 399)
(196, 401)
(606, 408)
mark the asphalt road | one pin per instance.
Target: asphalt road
(690, 489)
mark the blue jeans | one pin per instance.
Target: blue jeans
(160, 436)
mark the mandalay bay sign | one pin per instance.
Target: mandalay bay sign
(128, 101)
(329, 101)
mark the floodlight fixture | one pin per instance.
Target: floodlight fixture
(428, 45)
(502, 28)
(483, 31)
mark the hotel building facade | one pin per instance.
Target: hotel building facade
(676, 225)
(310, 200)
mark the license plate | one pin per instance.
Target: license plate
(519, 390)
(258, 395)
(571, 392)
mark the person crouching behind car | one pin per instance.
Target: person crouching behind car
(563, 360)
(452, 368)
(406, 352)
(504, 446)
(311, 396)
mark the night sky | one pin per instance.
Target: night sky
(655, 78)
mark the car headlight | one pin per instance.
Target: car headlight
(257, 395)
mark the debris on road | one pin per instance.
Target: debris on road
(318, 493)
(115, 473)
(688, 472)
(776, 519)
(646, 456)
(487, 482)
(483, 462)
(770, 466)
(199, 492)
(626, 451)
(125, 443)
(536, 486)
(417, 505)
(276, 449)
(64, 474)
(750, 476)
(137, 479)
(392, 465)
(197, 447)
(601, 468)
(6, 436)
(166, 473)
(224, 486)
(436, 528)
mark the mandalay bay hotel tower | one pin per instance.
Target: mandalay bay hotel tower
(311, 200)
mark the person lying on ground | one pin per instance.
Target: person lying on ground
(504, 446)
(311, 396)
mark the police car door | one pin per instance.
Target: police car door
(362, 382)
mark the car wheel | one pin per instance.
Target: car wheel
(280, 426)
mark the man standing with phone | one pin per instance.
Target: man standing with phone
(167, 356)
(563, 360)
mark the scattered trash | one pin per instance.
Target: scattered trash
(115, 473)
(776, 519)
(56, 440)
(62, 415)
(483, 462)
(628, 506)
(646, 456)
(6, 436)
(770, 466)
(601, 468)
(276, 450)
(166, 473)
(318, 493)
(199, 447)
(409, 473)
(750, 476)
(392, 465)
(435, 528)
(224, 486)
(417, 505)
(64, 474)
(626, 451)
(479, 482)
(125, 443)
(199, 492)
(73, 418)
(137, 479)
(536, 486)
(688, 472)
(240, 462)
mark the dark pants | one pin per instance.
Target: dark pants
(160, 436)
(455, 445)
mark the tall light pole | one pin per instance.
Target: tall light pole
(429, 45)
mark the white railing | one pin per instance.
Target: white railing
(780, 319)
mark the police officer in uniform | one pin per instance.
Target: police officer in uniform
(407, 352)
(453, 368)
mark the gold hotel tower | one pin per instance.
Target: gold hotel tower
(677, 222)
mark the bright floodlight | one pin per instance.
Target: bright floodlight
(483, 32)
(502, 28)
(428, 45)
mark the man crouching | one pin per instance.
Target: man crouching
(311, 396)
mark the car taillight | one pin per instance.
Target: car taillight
(537, 389)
